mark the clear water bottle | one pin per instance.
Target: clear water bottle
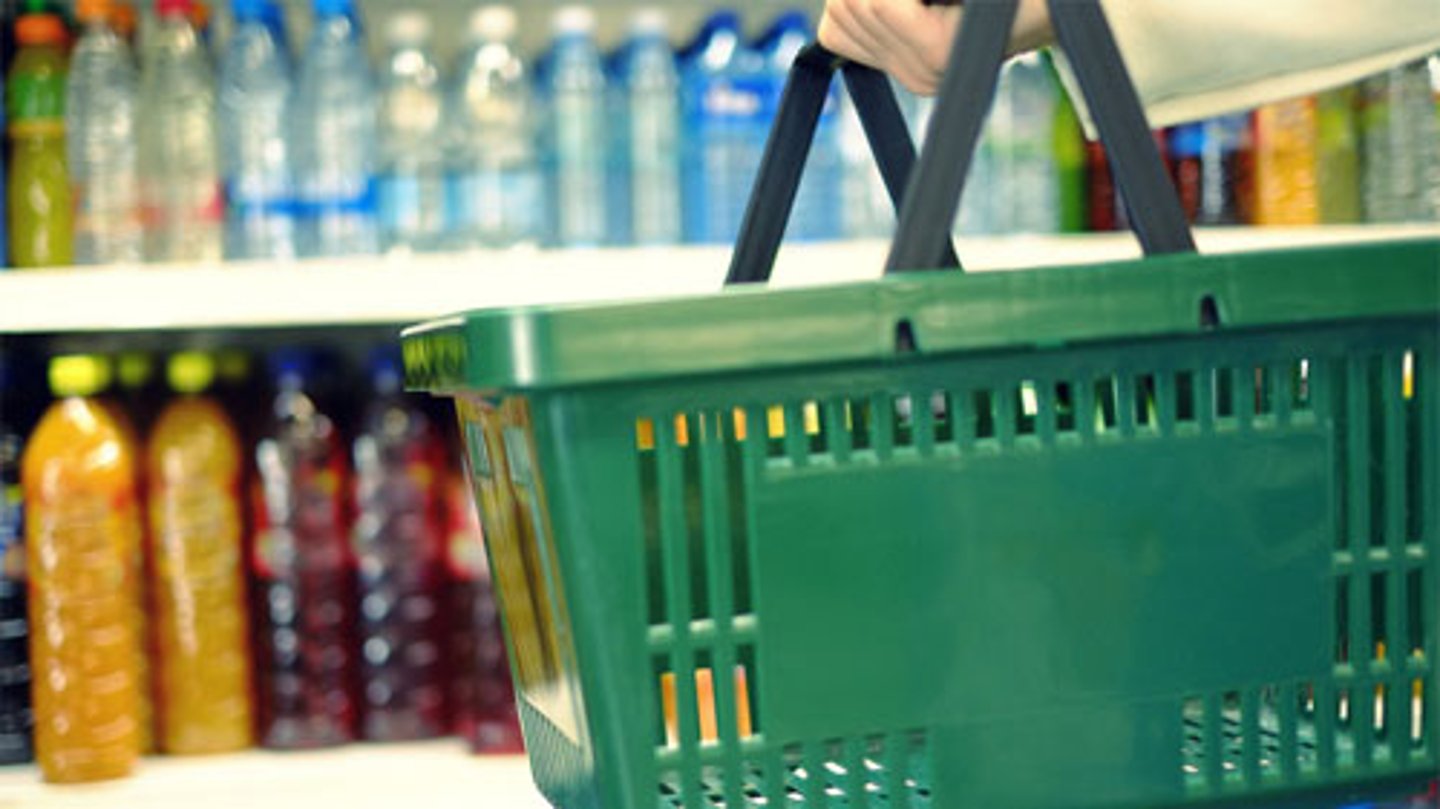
(333, 138)
(100, 134)
(1025, 190)
(398, 537)
(817, 213)
(1400, 136)
(411, 184)
(647, 135)
(256, 83)
(181, 202)
(574, 87)
(723, 90)
(492, 173)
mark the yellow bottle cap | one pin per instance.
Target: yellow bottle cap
(79, 374)
(191, 371)
(134, 368)
(232, 365)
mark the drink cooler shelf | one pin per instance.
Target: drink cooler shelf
(402, 290)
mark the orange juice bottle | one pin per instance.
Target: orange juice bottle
(1287, 155)
(193, 466)
(135, 553)
(83, 519)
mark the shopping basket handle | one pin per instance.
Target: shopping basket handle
(789, 142)
(927, 208)
(922, 236)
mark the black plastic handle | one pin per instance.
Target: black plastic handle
(928, 206)
(788, 144)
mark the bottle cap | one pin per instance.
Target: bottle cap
(574, 20)
(88, 11)
(294, 363)
(174, 8)
(248, 10)
(386, 374)
(650, 20)
(334, 8)
(232, 365)
(191, 372)
(40, 29)
(408, 28)
(134, 369)
(79, 375)
(493, 23)
(124, 19)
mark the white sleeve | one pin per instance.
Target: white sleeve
(1194, 59)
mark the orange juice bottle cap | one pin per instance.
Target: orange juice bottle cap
(40, 29)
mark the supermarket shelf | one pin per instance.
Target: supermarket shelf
(396, 290)
(436, 775)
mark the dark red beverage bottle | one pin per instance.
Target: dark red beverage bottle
(398, 540)
(302, 570)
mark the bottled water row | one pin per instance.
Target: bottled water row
(259, 155)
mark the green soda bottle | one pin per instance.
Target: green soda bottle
(1070, 160)
(1338, 167)
(41, 218)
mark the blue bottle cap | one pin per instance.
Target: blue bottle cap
(334, 8)
(386, 372)
(248, 10)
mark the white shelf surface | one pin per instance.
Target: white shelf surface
(403, 290)
(433, 775)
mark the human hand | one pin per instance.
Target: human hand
(911, 41)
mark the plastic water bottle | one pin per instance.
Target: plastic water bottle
(333, 138)
(574, 86)
(1025, 191)
(256, 87)
(866, 211)
(723, 101)
(411, 184)
(100, 133)
(15, 717)
(1401, 152)
(180, 195)
(493, 196)
(647, 135)
(817, 213)
(398, 539)
(302, 570)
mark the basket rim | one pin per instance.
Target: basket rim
(752, 329)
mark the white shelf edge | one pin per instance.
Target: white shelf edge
(437, 775)
(403, 290)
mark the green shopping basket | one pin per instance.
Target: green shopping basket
(1142, 534)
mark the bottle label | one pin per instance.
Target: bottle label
(500, 205)
(364, 203)
(411, 204)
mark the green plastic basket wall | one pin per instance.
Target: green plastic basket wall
(1081, 546)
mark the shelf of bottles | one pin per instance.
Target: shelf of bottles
(233, 146)
(198, 177)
